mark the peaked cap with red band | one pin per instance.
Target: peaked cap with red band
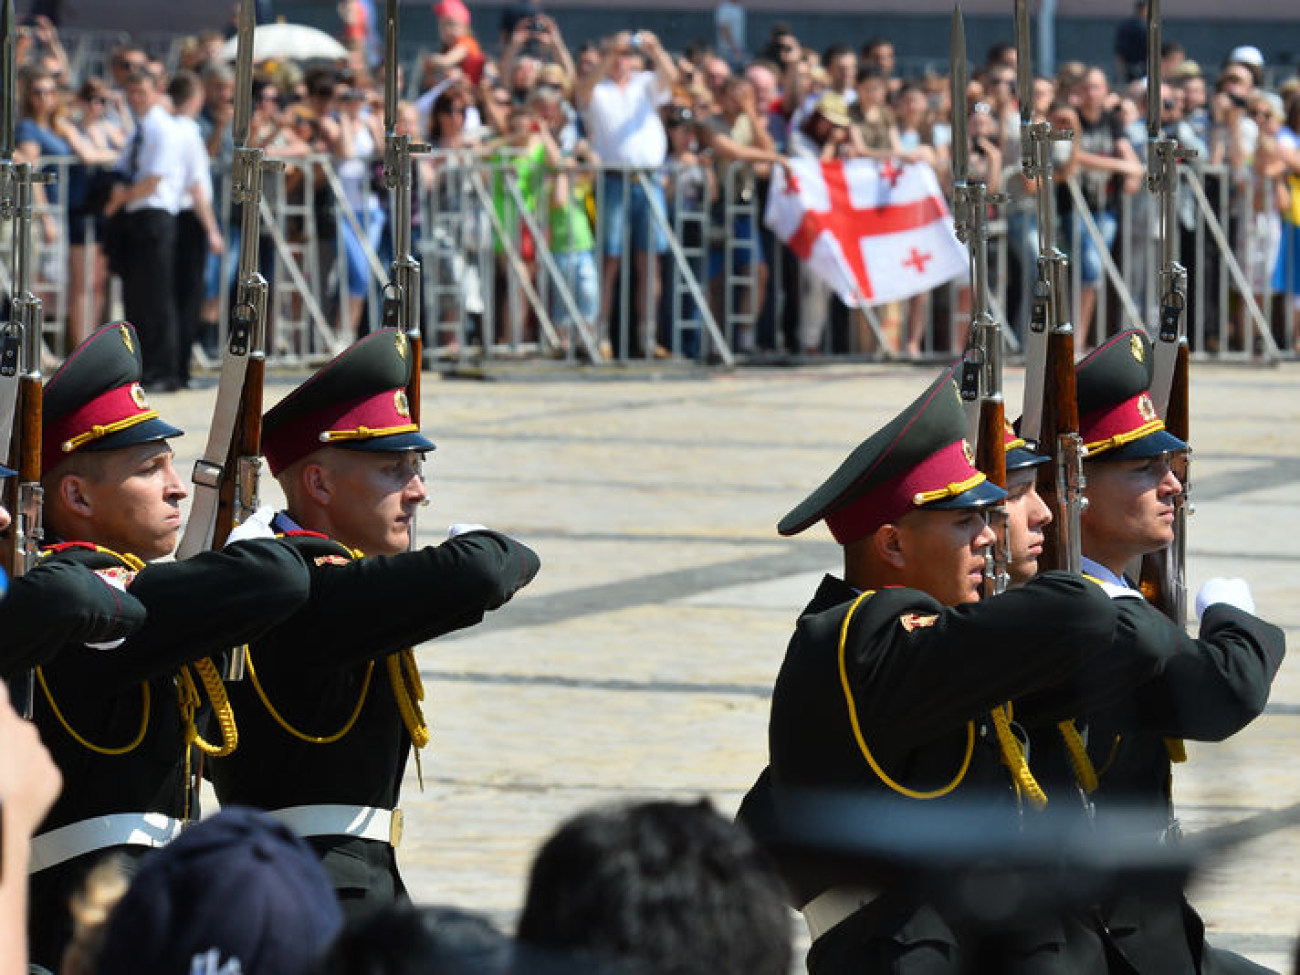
(94, 400)
(1117, 419)
(356, 401)
(919, 460)
(1021, 453)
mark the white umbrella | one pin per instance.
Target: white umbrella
(289, 42)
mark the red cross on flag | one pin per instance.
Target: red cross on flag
(872, 231)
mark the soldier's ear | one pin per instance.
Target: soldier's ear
(75, 495)
(889, 544)
(317, 483)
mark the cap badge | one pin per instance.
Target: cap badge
(400, 403)
(126, 338)
(1139, 351)
(400, 341)
(1147, 408)
(969, 453)
(137, 395)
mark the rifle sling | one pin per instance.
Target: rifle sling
(209, 469)
(8, 408)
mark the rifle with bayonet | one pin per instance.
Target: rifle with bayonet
(226, 476)
(1051, 414)
(981, 372)
(1163, 574)
(21, 342)
(402, 295)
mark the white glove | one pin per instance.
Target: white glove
(1234, 592)
(461, 527)
(256, 525)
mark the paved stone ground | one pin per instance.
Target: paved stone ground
(640, 661)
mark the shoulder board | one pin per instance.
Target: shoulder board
(325, 550)
(93, 556)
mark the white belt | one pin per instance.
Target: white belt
(830, 907)
(98, 833)
(364, 822)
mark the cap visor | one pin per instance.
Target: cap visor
(1018, 458)
(6, 471)
(1152, 445)
(140, 433)
(394, 443)
(981, 495)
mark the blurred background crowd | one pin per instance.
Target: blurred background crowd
(607, 200)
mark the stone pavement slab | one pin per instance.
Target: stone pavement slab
(640, 661)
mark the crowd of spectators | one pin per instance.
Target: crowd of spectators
(577, 127)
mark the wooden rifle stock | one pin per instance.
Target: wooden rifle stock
(236, 489)
(1059, 440)
(992, 455)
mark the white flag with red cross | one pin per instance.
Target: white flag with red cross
(874, 230)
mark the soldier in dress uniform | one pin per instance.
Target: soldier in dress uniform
(57, 603)
(122, 721)
(896, 681)
(330, 706)
(1213, 685)
(1027, 514)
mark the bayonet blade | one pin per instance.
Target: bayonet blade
(390, 67)
(957, 74)
(1154, 94)
(244, 74)
(1024, 64)
(8, 78)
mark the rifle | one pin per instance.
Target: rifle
(1051, 421)
(225, 477)
(1163, 578)
(20, 349)
(402, 293)
(981, 373)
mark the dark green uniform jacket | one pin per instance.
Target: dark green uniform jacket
(919, 673)
(197, 608)
(58, 603)
(1212, 687)
(313, 669)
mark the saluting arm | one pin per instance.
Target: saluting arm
(415, 596)
(58, 603)
(206, 604)
(936, 676)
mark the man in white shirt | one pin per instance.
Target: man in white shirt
(620, 104)
(197, 232)
(150, 198)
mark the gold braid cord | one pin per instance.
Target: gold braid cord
(84, 742)
(302, 735)
(1013, 756)
(861, 740)
(188, 694)
(408, 689)
(1084, 773)
(135, 565)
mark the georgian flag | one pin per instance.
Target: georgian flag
(874, 230)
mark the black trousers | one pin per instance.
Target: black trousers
(191, 265)
(149, 291)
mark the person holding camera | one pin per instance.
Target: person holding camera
(620, 106)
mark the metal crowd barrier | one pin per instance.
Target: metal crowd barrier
(494, 286)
